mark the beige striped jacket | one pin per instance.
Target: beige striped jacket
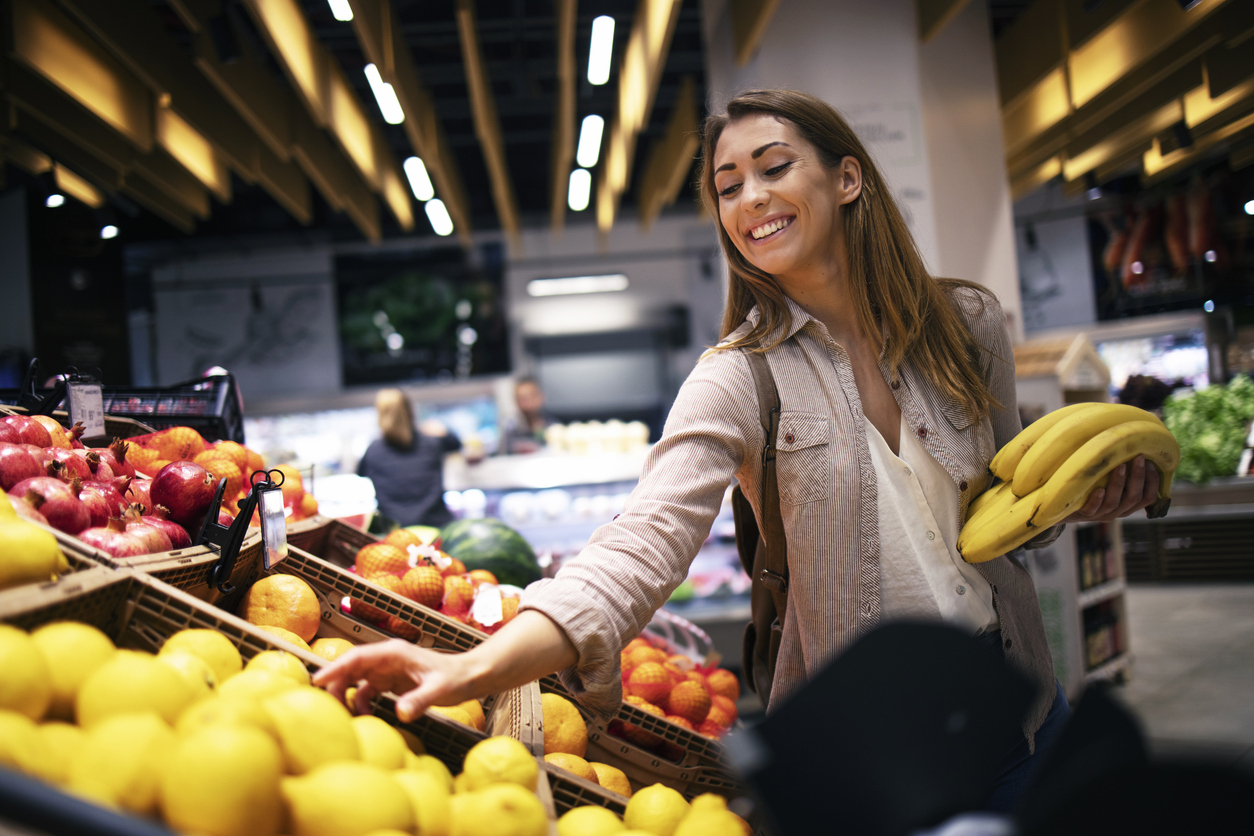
(604, 597)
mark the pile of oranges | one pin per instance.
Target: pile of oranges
(672, 686)
(401, 563)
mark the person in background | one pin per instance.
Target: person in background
(406, 465)
(525, 434)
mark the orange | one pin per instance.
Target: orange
(402, 538)
(478, 576)
(624, 662)
(564, 727)
(455, 567)
(424, 585)
(307, 505)
(677, 676)
(142, 458)
(720, 715)
(293, 486)
(636, 643)
(459, 594)
(255, 462)
(724, 683)
(330, 649)
(382, 557)
(285, 634)
(690, 700)
(401, 628)
(283, 601)
(612, 779)
(649, 681)
(234, 451)
(220, 467)
(697, 676)
(709, 728)
(644, 705)
(725, 705)
(177, 443)
(646, 654)
(573, 763)
(636, 734)
(509, 609)
(680, 721)
(372, 613)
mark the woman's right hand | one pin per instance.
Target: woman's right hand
(419, 677)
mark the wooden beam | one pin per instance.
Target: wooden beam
(935, 15)
(564, 117)
(286, 184)
(749, 21)
(380, 36)
(487, 124)
(671, 157)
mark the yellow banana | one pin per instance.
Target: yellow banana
(986, 498)
(1008, 457)
(1065, 437)
(1071, 484)
(1012, 528)
(996, 501)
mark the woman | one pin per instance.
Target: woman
(896, 391)
(407, 466)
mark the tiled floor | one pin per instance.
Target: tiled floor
(1193, 681)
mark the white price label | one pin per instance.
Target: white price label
(487, 608)
(87, 406)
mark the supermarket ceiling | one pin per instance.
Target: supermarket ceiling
(228, 117)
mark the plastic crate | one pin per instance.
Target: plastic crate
(330, 539)
(209, 405)
(188, 569)
(80, 556)
(115, 427)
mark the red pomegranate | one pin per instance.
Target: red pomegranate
(8, 435)
(160, 518)
(57, 502)
(155, 539)
(185, 488)
(114, 539)
(74, 465)
(16, 464)
(103, 501)
(26, 509)
(75, 433)
(138, 494)
(99, 469)
(29, 430)
(115, 457)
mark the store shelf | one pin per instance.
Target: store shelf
(1101, 592)
(542, 470)
(1118, 667)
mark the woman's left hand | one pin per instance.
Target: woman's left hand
(1131, 487)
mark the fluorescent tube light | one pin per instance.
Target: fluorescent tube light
(341, 9)
(580, 189)
(418, 179)
(389, 105)
(577, 284)
(438, 215)
(590, 141)
(601, 50)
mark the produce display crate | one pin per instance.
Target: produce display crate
(330, 539)
(570, 791)
(188, 569)
(80, 556)
(140, 612)
(115, 426)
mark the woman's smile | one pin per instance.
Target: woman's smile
(770, 229)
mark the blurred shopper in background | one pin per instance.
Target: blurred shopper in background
(406, 465)
(525, 432)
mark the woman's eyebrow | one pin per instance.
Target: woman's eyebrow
(756, 153)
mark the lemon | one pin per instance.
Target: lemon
(346, 799)
(73, 652)
(19, 741)
(284, 634)
(6, 508)
(499, 809)
(280, 662)
(228, 710)
(612, 778)
(708, 801)
(26, 686)
(313, 728)
(380, 744)
(564, 727)
(131, 682)
(329, 649)
(28, 553)
(429, 796)
(431, 766)
(711, 823)
(589, 821)
(194, 670)
(224, 781)
(256, 685)
(499, 760)
(452, 712)
(475, 709)
(413, 743)
(657, 809)
(210, 645)
(58, 744)
(121, 760)
(387, 831)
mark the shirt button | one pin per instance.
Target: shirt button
(789, 438)
(962, 486)
(922, 432)
(962, 590)
(1007, 643)
(896, 384)
(931, 535)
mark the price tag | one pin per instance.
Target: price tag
(487, 608)
(273, 527)
(87, 406)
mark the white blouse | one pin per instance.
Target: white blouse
(922, 576)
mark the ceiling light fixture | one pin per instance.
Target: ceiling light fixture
(1249, 207)
(54, 200)
(580, 190)
(590, 141)
(341, 9)
(389, 105)
(601, 50)
(108, 231)
(437, 213)
(577, 284)
(419, 180)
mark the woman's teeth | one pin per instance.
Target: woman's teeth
(773, 226)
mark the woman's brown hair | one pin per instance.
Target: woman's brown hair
(898, 300)
(396, 417)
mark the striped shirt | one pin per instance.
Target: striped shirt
(827, 485)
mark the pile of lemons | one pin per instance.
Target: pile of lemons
(211, 746)
(657, 811)
(28, 553)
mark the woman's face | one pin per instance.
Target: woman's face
(777, 201)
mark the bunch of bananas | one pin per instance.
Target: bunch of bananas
(1048, 471)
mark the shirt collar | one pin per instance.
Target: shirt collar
(798, 319)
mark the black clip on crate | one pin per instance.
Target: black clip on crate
(209, 405)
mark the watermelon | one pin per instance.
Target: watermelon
(491, 544)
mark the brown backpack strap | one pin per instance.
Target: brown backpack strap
(775, 575)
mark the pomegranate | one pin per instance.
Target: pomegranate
(115, 457)
(75, 433)
(99, 470)
(29, 430)
(138, 493)
(74, 465)
(26, 508)
(16, 464)
(155, 539)
(185, 488)
(8, 435)
(57, 435)
(114, 539)
(160, 518)
(102, 500)
(60, 505)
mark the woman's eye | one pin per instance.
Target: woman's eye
(729, 190)
(779, 169)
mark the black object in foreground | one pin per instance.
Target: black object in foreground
(27, 802)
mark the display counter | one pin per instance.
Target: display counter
(1205, 538)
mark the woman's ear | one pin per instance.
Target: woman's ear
(849, 179)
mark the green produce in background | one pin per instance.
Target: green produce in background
(1211, 425)
(491, 544)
